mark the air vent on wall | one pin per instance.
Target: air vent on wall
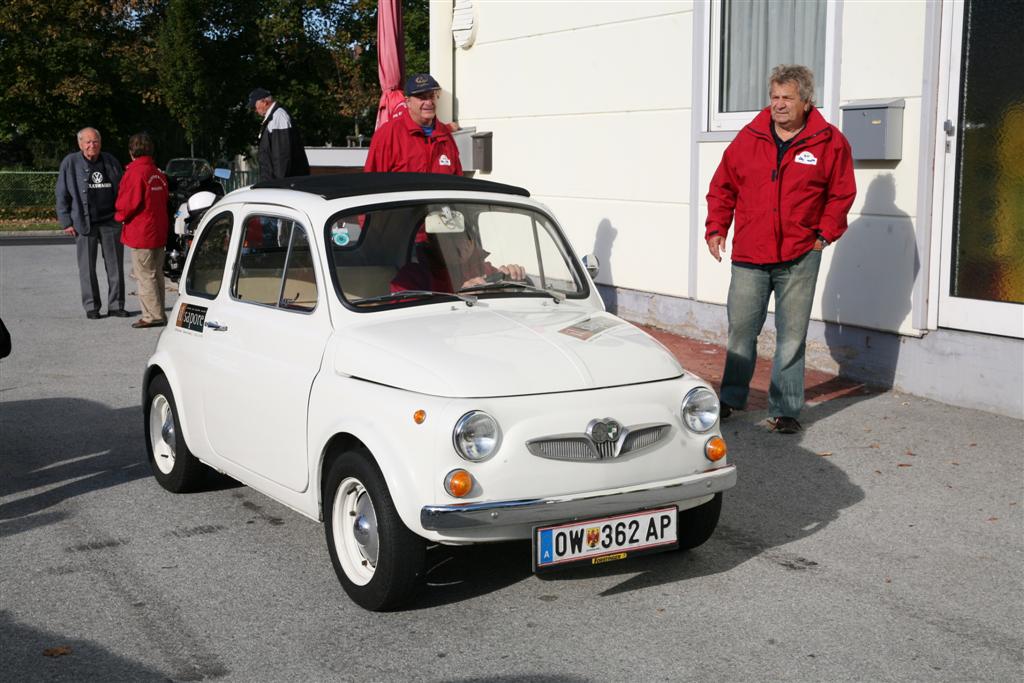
(464, 23)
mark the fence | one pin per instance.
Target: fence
(27, 194)
(32, 193)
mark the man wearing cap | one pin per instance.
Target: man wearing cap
(415, 141)
(281, 154)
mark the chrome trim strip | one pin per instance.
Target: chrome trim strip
(543, 510)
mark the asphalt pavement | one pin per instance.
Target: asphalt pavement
(883, 543)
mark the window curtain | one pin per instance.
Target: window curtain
(759, 34)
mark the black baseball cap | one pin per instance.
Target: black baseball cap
(420, 83)
(256, 95)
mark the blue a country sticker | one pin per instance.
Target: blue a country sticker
(191, 318)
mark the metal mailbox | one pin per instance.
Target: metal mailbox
(874, 129)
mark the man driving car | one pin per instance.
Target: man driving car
(449, 262)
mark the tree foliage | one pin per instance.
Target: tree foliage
(181, 69)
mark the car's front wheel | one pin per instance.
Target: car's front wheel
(173, 464)
(378, 560)
(697, 524)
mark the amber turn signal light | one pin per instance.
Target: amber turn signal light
(458, 483)
(715, 449)
(419, 416)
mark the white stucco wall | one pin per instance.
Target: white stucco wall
(590, 105)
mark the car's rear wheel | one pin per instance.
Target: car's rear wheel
(378, 560)
(173, 464)
(697, 524)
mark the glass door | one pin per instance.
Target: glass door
(982, 265)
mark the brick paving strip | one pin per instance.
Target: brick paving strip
(707, 360)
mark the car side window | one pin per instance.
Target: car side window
(275, 266)
(210, 255)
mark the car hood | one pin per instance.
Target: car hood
(484, 351)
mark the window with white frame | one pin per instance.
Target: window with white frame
(749, 37)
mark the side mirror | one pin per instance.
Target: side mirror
(222, 173)
(592, 265)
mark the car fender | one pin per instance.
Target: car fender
(160, 362)
(381, 419)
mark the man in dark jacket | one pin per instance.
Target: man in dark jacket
(281, 154)
(787, 179)
(86, 189)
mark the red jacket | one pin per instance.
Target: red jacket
(400, 145)
(142, 205)
(781, 208)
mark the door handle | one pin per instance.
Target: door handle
(216, 326)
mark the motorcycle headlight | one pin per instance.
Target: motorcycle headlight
(700, 410)
(477, 436)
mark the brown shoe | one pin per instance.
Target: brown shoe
(140, 324)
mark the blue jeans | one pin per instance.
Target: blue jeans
(749, 291)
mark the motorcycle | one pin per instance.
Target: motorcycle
(192, 193)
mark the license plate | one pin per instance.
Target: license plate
(605, 540)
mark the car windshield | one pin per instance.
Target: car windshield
(449, 251)
(180, 168)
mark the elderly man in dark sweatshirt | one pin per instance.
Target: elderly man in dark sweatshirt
(86, 190)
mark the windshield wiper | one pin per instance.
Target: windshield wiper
(414, 294)
(557, 296)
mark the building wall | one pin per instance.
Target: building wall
(596, 108)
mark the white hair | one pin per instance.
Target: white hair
(87, 128)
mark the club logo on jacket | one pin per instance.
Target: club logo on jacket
(807, 158)
(444, 160)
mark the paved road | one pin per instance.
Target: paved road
(884, 543)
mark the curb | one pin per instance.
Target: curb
(14, 234)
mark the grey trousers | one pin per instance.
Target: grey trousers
(108, 237)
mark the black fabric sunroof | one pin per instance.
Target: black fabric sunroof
(339, 185)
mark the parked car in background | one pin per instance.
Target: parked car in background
(418, 359)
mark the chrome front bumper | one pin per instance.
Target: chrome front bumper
(544, 510)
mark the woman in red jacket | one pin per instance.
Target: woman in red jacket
(142, 206)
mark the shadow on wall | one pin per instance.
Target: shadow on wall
(869, 285)
(603, 241)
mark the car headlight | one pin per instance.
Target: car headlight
(700, 409)
(477, 436)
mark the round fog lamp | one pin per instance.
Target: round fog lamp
(476, 436)
(700, 409)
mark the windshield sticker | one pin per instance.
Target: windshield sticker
(191, 318)
(339, 235)
(591, 327)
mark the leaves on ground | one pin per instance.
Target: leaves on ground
(58, 651)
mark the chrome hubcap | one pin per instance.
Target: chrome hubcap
(162, 436)
(354, 523)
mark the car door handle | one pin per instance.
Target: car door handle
(216, 326)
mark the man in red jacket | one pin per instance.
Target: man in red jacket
(415, 141)
(787, 179)
(142, 206)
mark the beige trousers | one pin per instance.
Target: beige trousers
(149, 273)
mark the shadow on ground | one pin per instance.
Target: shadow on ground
(57, 449)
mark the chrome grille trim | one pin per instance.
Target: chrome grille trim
(580, 447)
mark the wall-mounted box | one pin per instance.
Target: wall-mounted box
(474, 149)
(874, 129)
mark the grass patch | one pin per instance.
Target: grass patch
(27, 224)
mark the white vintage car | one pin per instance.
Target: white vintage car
(419, 359)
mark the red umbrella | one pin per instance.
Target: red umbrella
(390, 58)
